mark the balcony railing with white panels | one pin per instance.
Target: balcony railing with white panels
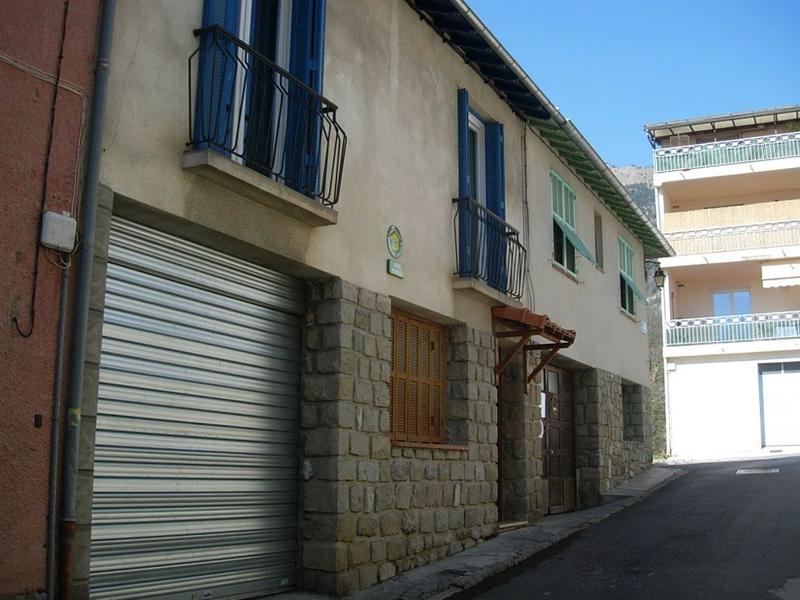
(734, 328)
(729, 152)
(735, 237)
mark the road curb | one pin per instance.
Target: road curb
(459, 572)
(463, 584)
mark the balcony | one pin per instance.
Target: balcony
(736, 237)
(260, 130)
(736, 328)
(729, 152)
(737, 213)
(488, 251)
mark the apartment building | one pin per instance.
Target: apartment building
(360, 297)
(728, 196)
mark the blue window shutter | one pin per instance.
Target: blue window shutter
(304, 111)
(496, 202)
(464, 209)
(495, 170)
(308, 36)
(216, 73)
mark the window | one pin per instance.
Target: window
(418, 384)
(563, 218)
(251, 111)
(598, 239)
(731, 302)
(476, 145)
(265, 25)
(482, 242)
(627, 286)
(481, 164)
(566, 242)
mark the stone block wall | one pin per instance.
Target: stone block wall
(633, 413)
(603, 458)
(371, 510)
(521, 484)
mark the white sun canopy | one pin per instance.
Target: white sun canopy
(780, 274)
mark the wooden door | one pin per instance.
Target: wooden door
(559, 450)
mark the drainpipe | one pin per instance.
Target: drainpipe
(55, 437)
(81, 316)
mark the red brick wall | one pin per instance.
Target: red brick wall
(30, 37)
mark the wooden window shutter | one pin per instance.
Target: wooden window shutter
(417, 384)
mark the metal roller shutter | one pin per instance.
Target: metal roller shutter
(780, 404)
(195, 475)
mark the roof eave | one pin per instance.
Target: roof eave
(654, 243)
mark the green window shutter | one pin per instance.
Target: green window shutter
(564, 214)
(576, 241)
(626, 268)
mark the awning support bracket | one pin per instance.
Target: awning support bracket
(543, 363)
(557, 338)
(511, 355)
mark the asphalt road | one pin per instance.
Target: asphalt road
(709, 534)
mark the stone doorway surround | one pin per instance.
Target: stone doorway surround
(521, 491)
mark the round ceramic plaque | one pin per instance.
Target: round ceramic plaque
(394, 242)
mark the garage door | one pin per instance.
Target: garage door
(780, 397)
(195, 481)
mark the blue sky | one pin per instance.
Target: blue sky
(611, 65)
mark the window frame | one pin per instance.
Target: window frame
(476, 181)
(598, 239)
(627, 256)
(731, 292)
(563, 205)
(433, 433)
(283, 41)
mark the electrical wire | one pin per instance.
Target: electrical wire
(45, 177)
(526, 225)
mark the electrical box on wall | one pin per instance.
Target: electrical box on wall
(58, 231)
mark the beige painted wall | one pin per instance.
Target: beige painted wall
(387, 90)
(606, 338)
(395, 83)
(713, 404)
(694, 298)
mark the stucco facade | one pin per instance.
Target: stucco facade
(369, 504)
(406, 183)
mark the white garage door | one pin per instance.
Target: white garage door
(780, 394)
(195, 481)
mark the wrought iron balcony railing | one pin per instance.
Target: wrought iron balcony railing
(715, 154)
(245, 106)
(734, 328)
(488, 248)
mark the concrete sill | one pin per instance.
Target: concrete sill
(628, 315)
(565, 272)
(430, 446)
(249, 183)
(483, 292)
